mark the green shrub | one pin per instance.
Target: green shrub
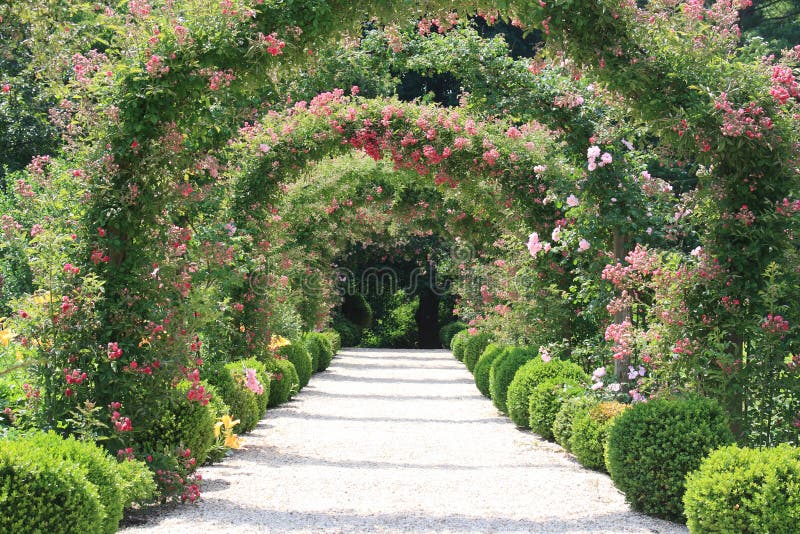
(284, 384)
(320, 349)
(474, 347)
(349, 333)
(502, 372)
(41, 493)
(334, 338)
(136, 483)
(531, 375)
(300, 358)
(458, 344)
(562, 424)
(545, 401)
(447, 332)
(357, 310)
(242, 403)
(590, 432)
(745, 490)
(653, 446)
(484, 365)
(101, 470)
(264, 379)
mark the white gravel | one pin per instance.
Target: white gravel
(399, 441)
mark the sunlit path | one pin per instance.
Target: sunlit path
(399, 441)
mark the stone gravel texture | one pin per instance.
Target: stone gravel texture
(399, 441)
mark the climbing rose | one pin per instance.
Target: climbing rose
(583, 245)
(572, 201)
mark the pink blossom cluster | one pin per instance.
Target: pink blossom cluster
(121, 424)
(593, 153)
(535, 246)
(75, 376)
(749, 121)
(775, 324)
(622, 336)
(251, 381)
(84, 66)
(784, 84)
(155, 66)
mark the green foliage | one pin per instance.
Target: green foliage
(654, 445)
(484, 365)
(449, 330)
(320, 349)
(589, 432)
(334, 338)
(474, 347)
(396, 326)
(545, 401)
(562, 424)
(745, 490)
(300, 358)
(42, 493)
(531, 375)
(242, 403)
(458, 344)
(502, 372)
(136, 483)
(349, 333)
(284, 383)
(357, 310)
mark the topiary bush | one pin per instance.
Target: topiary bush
(40, 492)
(545, 401)
(653, 446)
(136, 483)
(349, 333)
(357, 310)
(531, 375)
(320, 349)
(562, 424)
(284, 383)
(334, 338)
(241, 402)
(484, 365)
(590, 431)
(745, 490)
(474, 347)
(458, 343)
(502, 372)
(300, 358)
(449, 330)
(101, 470)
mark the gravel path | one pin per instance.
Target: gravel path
(399, 441)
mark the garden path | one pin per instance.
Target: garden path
(399, 441)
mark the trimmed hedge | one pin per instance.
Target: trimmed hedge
(458, 343)
(449, 330)
(590, 432)
(654, 445)
(503, 370)
(41, 493)
(474, 347)
(745, 490)
(562, 424)
(545, 401)
(284, 384)
(136, 483)
(320, 349)
(300, 358)
(334, 338)
(531, 375)
(484, 365)
(262, 373)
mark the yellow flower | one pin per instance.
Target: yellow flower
(233, 441)
(5, 337)
(277, 342)
(227, 423)
(42, 298)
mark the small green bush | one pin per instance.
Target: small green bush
(334, 338)
(503, 370)
(449, 330)
(653, 446)
(545, 401)
(136, 483)
(357, 310)
(349, 333)
(458, 343)
(183, 423)
(300, 358)
(284, 384)
(101, 470)
(484, 365)
(320, 349)
(241, 402)
(590, 432)
(41, 493)
(531, 375)
(264, 379)
(474, 347)
(745, 490)
(562, 424)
